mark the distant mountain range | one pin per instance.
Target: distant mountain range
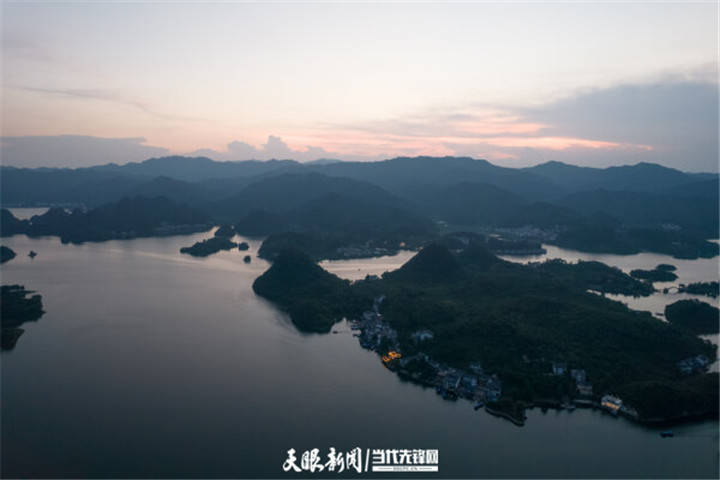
(550, 180)
(400, 194)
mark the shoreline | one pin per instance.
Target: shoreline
(506, 416)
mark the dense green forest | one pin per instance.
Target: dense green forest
(697, 316)
(710, 289)
(314, 298)
(514, 320)
(209, 246)
(126, 218)
(17, 308)
(661, 273)
(6, 254)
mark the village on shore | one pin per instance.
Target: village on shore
(478, 386)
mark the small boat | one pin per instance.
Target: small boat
(667, 434)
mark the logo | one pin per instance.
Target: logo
(375, 460)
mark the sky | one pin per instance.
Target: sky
(594, 84)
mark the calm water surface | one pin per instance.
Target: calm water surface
(152, 363)
(357, 269)
(25, 213)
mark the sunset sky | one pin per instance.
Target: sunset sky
(518, 84)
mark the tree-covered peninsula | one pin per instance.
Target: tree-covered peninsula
(129, 217)
(511, 335)
(16, 308)
(698, 317)
(314, 298)
(710, 289)
(661, 273)
(209, 246)
(6, 254)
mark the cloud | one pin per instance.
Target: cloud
(107, 96)
(274, 148)
(672, 121)
(678, 120)
(73, 151)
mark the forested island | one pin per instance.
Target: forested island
(225, 230)
(710, 289)
(695, 315)
(6, 254)
(209, 246)
(661, 273)
(17, 308)
(508, 335)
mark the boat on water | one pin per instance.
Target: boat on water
(667, 434)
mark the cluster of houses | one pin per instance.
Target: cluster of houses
(361, 251)
(166, 229)
(474, 385)
(450, 382)
(615, 405)
(520, 241)
(471, 383)
(611, 403)
(374, 332)
(584, 388)
(693, 364)
(608, 402)
(526, 232)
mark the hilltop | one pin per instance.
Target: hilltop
(313, 297)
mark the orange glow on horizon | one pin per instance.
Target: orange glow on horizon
(365, 143)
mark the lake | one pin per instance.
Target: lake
(26, 213)
(152, 363)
